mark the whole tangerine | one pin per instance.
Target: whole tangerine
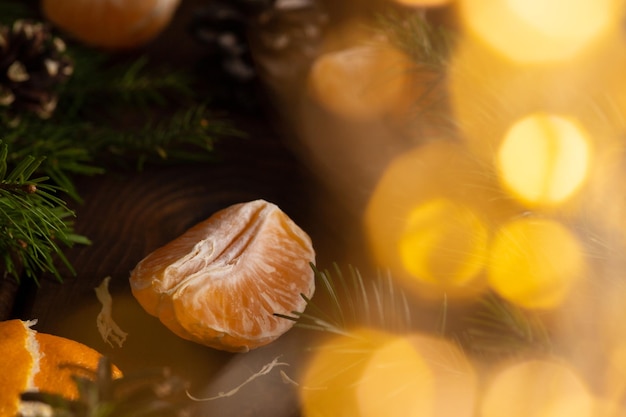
(111, 24)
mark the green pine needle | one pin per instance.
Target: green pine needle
(498, 328)
(12, 10)
(427, 44)
(100, 86)
(353, 302)
(115, 110)
(187, 135)
(151, 393)
(494, 329)
(35, 223)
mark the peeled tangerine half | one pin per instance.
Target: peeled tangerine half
(221, 282)
(32, 361)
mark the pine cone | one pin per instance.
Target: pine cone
(281, 27)
(291, 31)
(222, 27)
(278, 30)
(33, 64)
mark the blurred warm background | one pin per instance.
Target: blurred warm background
(481, 143)
(469, 208)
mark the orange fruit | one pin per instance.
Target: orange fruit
(32, 361)
(111, 24)
(220, 283)
(362, 82)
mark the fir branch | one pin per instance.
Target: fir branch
(188, 135)
(128, 84)
(87, 125)
(151, 393)
(498, 328)
(34, 222)
(12, 10)
(354, 301)
(65, 148)
(140, 87)
(427, 44)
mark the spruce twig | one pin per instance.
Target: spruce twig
(152, 393)
(498, 328)
(427, 44)
(429, 47)
(61, 146)
(128, 84)
(112, 109)
(121, 115)
(353, 302)
(12, 10)
(35, 223)
(188, 135)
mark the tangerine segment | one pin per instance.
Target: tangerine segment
(222, 281)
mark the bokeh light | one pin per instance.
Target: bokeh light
(396, 382)
(539, 30)
(614, 392)
(537, 388)
(444, 243)
(544, 159)
(419, 376)
(428, 219)
(535, 262)
(371, 373)
(488, 95)
(327, 388)
(603, 205)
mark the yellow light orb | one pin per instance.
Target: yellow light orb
(537, 389)
(428, 219)
(417, 375)
(535, 262)
(328, 385)
(396, 382)
(532, 31)
(443, 243)
(544, 159)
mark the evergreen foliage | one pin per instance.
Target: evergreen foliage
(427, 44)
(116, 111)
(152, 393)
(35, 223)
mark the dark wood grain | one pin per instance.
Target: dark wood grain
(127, 214)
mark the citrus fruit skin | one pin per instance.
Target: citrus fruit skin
(16, 363)
(61, 359)
(222, 281)
(111, 24)
(33, 361)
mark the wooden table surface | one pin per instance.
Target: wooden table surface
(128, 214)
